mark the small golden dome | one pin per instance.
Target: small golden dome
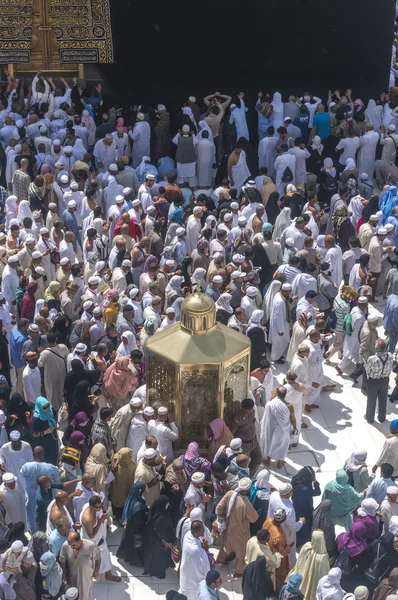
(198, 312)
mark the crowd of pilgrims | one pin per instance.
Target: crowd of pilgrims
(108, 223)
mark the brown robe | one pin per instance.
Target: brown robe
(278, 535)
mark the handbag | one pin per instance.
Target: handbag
(372, 571)
(343, 562)
(138, 540)
(176, 548)
(212, 560)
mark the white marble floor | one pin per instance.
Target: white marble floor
(334, 431)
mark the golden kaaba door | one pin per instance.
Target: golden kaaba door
(198, 404)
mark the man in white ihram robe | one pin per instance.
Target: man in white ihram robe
(205, 159)
(275, 429)
(279, 332)
(334, 257)
(267, 153)
(106, 564)
(351, 342)
(138, 430)
(367, 151)
(282, 162)
(141, 136)
(194, 565)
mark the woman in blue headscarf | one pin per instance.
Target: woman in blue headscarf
(175, 221)
(291, 589)
(388, 201)
(48, 582)
(134, 516)
(44, 429)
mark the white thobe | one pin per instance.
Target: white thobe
(165, 435)
(297, 235)
(59, 192)
(299, 365)
(119, 280)
(334, 257)
(106, 155)
(278, 325)
(300, 173)
(281, 163)
(9, 283)
(14, 503)
(141, 136)
(290, 526)
(3, 436)
(145, 196)
(12, 460)
(66, 251)
(137, 434)
(367, 153)
(275, 430)
(194, 566)
(31, 380)
(205, 154)
(351, 342)
(267, 154)
(46, 263)
(303, 283)
(194, 228)
(122, 145)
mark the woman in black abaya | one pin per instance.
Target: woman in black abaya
(256, 582)
(159, 535)
(135, 511)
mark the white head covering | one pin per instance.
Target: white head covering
(369, 507)
(329, 586)
(255, 320)
(283, 221)
(393, 525)
(244, 485)
(357, 460)
(349, 164)
(126, 349)
(223, 303)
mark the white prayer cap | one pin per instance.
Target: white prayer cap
(391, 128)
(109, 137)
(80, 348)
(163, 410)
(170, 263)
(140, 116)
(364, 176)
(151, 210)
(74, 185)
(133, 293)
(286, 287)
(127, 263)
(150, 176)
(87, 304)
(236, 444)
(136, 202)
(392, 489)
(150, 453)
(42, 128)
(119, 199)
(56, 142)
(113, 167)
(361, 592)
(72, 204)
(64, 179)
(17, 546)
(197, 210)
(180, 231)
(71, 594)
(332, 104)
(64, 261)
(373, 218)
(170, 310)
(97, 312)
(30, 239)
(19, 123)
(68, 149)
(186, 128)
(287, 119)
(382, 231)
(13, 259)
(40, 270)
(217, 279)
(43, 230)
(9, 477)
(192, 99)
(149, 411)
(2, 417)
(389, 227)
(127, 191)
(52, 205)
(373, 318)
(198, 477)
(99, 265)
(228, 217)
(93, 280)
(242, 220)
(362, 299)
(237, 274)
(136, 402)
(245, 484)
(57, 114)
(238, 258)
(36, 254)
(34, 327)
(285, 488)
(232, 106)
(234, 206)
(251, 291)
(289, 242)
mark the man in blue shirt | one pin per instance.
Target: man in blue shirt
(17, 339)
(302, 121)
(320, 124)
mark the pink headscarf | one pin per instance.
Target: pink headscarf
(88, 122)
(113, 293)
(118, 378)
(120, 123)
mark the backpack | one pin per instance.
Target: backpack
(331, 321)
(287, 175)
(329, 184)
(343, 562)
(350, 477)
(372, 571)
(347, 324)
